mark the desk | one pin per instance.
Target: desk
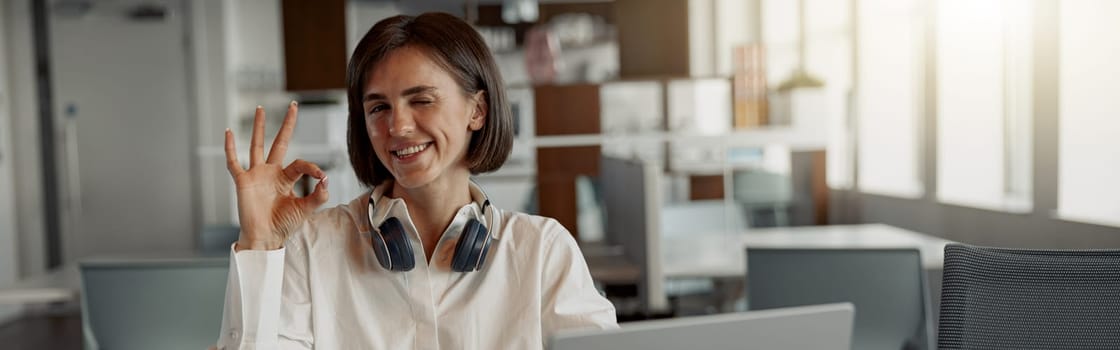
(719, 255)
(65, 284)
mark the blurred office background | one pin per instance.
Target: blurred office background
(988, 122)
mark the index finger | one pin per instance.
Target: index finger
(280, 144)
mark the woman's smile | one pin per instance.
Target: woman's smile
(409, 153)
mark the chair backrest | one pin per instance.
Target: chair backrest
(887, 287)
(996, 298)
(762, 192)
(165, 304)
(762, 188)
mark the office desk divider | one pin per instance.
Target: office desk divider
(632, 197)
(887, 286)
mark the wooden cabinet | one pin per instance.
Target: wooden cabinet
(565, 110)
(701, 187)
(557, 169)
(314, 44)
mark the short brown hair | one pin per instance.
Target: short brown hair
(457, 47)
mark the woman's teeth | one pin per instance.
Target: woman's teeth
(410, 150)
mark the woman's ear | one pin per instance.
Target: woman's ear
(478, 113)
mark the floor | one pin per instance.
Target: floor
(43, 330)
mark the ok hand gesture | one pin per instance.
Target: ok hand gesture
(267, 206)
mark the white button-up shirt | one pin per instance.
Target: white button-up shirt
(326, 290)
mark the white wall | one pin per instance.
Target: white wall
(25, 151)
(22, 150)
(9, 226)
(362, 15)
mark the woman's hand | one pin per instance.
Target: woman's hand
(267, 206)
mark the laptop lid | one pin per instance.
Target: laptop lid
(815, 327)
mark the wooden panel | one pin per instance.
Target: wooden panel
(579, 160)
(567, 109)
(652, 38)
(820, 188)
(314, 44)
(557, 200)
(557, 168)
(705, 187)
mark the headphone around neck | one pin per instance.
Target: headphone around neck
(394, 250)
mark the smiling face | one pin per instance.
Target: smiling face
(419, 120)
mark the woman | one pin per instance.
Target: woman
(423, 261)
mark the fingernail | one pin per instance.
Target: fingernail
(294, 103)
(227, 129)
(325, 180)
(259, 107)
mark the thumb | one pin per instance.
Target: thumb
(316, 198)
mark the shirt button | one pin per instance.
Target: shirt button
(233, 334)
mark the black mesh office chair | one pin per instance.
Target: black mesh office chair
(995, 298)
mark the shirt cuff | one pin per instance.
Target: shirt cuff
(255, 282)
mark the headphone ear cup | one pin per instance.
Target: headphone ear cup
(397, 245)
(480, 240)
(465, 249)
(380, 250)
(485, 249)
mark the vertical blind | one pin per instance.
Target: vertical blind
(983, 103)
(1089, 112)
(889, 96)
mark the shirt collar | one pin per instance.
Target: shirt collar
(385, 207)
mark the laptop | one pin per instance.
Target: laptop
(814, 327)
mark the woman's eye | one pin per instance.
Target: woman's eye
(378, 108)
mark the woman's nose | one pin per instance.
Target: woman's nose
(402, 124)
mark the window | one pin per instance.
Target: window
(828, 56)
(889, 96)
(1089, 124)
(779, 33)
(984, 103)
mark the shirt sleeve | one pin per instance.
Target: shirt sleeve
(570, 300)
(267, 305)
